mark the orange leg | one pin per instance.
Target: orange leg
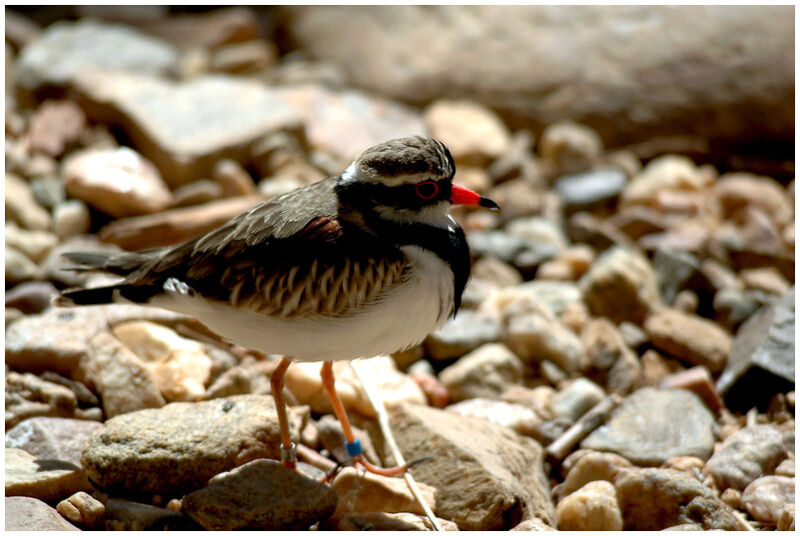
(288, 449)
(353, 445)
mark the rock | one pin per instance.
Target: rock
(33, 244)
(584, 227)
(627, 106)
(207, 30)
(182, 445)
(61, 54)
(765, 498)
(570, 265)
(532, 296)
(303, 381)
(48, 191)
(733, 498)
(487, 476)
(175, 225)
(196, 193)
(47, 480)
(261, 495)
(698, 381)
(737, 190)
(786, 521)
(689, 338)
(677, 270)
(768, 280)
(533, 524)
(52, 438)
(31, 298)
(579, 397)
(744, 456)
(538, 230)
(762, 357)
(652, 499)
(590, 190)
(365, 492)
(383, 521)
(129, 515)
(519, 418)
(593, 507)
(19, 268)
(785, 468)
(29, 514)
(233, 178)
(123, 381)
(157, 116)
(22, 208)
(538, 399)
(661, 176)
(495, 271)
(83, 510)
(509, 248)
(71, 218)
(567, 147)
(758, 232)
(621, 286)
(519, 197)
(334, 120)
(683, 428)
(180, 366)
(48, 398)
(462, 334)
(611, 362)
(20, 30)
(473, 133)
(118, 182)
(483, 373)
(435, 392)
(537, 337)
(238, 58)
(733, 306)
(56, 126)
(591, 466)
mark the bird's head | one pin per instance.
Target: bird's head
(407, 180)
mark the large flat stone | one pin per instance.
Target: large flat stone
(28, 514)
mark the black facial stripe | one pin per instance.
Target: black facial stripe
(403, 196)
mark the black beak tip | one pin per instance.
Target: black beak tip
(488, 203)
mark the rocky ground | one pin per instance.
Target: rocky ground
(624, 358)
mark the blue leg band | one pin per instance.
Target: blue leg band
(354, 448)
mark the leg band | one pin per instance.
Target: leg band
(290, 454)
(354, 448)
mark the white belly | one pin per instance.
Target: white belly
(401, 320)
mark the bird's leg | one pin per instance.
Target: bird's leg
(288, 449)
(352, 444)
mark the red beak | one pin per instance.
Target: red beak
(463, 196)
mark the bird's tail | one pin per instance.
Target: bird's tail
(122, 263)
(85, 296)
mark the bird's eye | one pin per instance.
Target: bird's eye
(427, 189)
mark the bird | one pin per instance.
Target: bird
(365, 263)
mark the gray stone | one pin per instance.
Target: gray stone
(485, 372)
(651, 425)
(537, 337)
(733, 306)
(462, 334)
(29, 514)
(611, 362)
(746, 455)
(579, 397)
(678, 270)
(160, 118)
(517, 417)
(31, 298)
(537, 230)
(762, 357)
(586, 228)
(531, 295)
(261, 495)
(52, 438)
(632, 51)
(48, 191)
(67, 49)
(129, 515)
(48, 480)
(654, 499)
(28, 395)
(182, 445)
(487, 476)
(590, 190)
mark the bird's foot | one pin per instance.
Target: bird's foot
(357, 455)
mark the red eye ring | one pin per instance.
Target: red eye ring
(425, 191)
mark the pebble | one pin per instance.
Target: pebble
(611, 361)
(676, 270)
(122, 514)
(180, 366)
(538, 399)
(689, 338)
(462, 334)
(767, 497)
(509, 248)
(31, 298)
(590, 466)
(71, 218)
(183, 444)
(485, 372)
(652, 499)
(733, 498)
(485, 474)
(52, 438)
(21, 205)
(473, 133)
(196, 193)
(380, 373)
(47, 480)
(206, 30)
(48, 191)
(55, 126)
(600, 234)
(30, 514)
(732, 306)
(568, 147)
(762, 357)
(697, 380)
(664, 174)
(28, 395)
(260, 495)
(384, 521)
(247, 57)
(769, 280)
(538, 230)
(519, 418)
(593, 507)
(590, 190)
(495, 271)
(531, 296)
(744, 456)
(119, 182)
(683, 427)
(537, 337)
(737, 190)
(579, 397)
(33, 244)
(233, 178)
(83, 510)
(785, 468)
(366, 492)
(621, 285)
(639, 220)
(19, 268)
